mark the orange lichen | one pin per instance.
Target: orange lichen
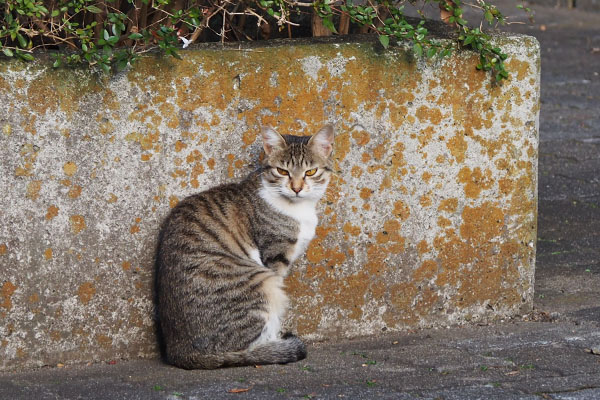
(432, 115)
(457, 145)
(443, 222)
(448, 205)
(173, 200)
(69, 168)
(356, 171)
(179, 145)
(361, 138)
(391, 235)
(34, 298)
(423, 247)
(75, 191)
(8, 289)
(341, 146)
(520, 68)
(425, 200)
(365, 193)
(48, 253)
(104, 341)
(506, 186)
(351, 229)
(475, 181)
(3, 249)
(77, 223)
(380, 150)
(425, 136)
(401, 210)
(427, 270)
(51, 212)
(481, 224)
(86, 291)
(33, 189)
(211, 163)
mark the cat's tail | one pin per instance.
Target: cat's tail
(281, 351)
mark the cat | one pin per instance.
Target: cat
(223, 253)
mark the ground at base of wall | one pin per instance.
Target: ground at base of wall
(506, 361)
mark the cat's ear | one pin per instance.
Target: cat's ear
(271, 140)
(322, 141)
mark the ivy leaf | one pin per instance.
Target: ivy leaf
(384, 40)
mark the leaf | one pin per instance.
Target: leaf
(135, 36)
(26, 56)
(8, 52)
(105, 34)
(238, 390)
(93, 9)
(384, 40)
(55, 13)
(418, 49)
(328, 23)
(488, 16)
(121, 64)
(431, 52)
(22, 41)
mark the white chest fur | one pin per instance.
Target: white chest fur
(304, 212)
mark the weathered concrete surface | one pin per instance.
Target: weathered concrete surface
(430, 221)
(507, 361)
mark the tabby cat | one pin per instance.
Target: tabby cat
(223, 253)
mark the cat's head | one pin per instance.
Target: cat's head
(297, 167)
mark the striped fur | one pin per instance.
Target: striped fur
(223, 253)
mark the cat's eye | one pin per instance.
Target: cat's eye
(311, 172)
(282, 171)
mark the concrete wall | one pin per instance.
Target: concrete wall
(431, 219)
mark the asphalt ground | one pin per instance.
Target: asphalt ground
(551, 353)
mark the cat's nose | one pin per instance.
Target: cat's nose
(297, 189)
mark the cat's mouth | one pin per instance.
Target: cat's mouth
(294, 197)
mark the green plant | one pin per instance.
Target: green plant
(111, 34)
